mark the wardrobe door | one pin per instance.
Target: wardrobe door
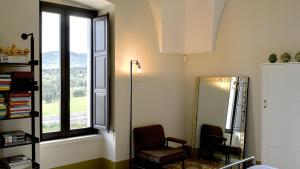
(281, 115)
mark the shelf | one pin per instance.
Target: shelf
(35, 62)
(33, 114)
(29, 140)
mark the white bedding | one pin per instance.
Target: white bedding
(261, 167)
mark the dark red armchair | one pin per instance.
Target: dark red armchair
(151, 147)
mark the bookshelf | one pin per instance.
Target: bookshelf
(30, 139)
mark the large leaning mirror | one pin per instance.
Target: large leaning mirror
(220, 118)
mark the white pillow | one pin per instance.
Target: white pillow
(262, 167)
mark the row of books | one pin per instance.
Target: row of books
(16, 81)
(5, 81)
(2, 107)
(16, 162)
(19, 104)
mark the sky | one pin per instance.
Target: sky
(79, 33)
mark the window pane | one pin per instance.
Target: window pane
(51, 72)
(80, 72)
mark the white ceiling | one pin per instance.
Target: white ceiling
(95, 4)
(201, 20)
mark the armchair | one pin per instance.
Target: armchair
(151, 147)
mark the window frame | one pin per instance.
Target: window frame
(65, 12)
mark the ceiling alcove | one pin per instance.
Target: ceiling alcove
(187, 26)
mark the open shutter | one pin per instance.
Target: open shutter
(101, 72)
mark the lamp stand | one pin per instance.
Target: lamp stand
(136, 62)
(130, 117)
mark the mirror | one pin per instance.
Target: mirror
(220, 118)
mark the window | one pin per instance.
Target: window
(71, 70)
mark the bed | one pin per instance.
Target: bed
(238, 164)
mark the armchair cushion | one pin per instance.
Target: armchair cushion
(163, 155)
(149, 146)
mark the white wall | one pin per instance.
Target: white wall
(62, 152)
(158, 91)
(249, 32)
(19, 17)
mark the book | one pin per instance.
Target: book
(20, 98)
(4, 88)
(19, 103)
(2, 100)
(2, 106)
(17, 162)
(12, 136)
(5, 80)
(18, 116)
(20, 94)
(20, 107)
(8, 76)
(22, 76)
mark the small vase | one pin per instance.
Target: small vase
(273, 58)
(285, 57)
(297, 57)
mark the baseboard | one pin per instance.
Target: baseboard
(103, 164)
(97, 163)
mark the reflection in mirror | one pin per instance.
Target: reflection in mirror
(220, 119)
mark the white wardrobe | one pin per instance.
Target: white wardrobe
(281, 115)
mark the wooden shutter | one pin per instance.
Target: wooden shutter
(101, 72)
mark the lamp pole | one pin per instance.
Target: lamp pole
(136, 62)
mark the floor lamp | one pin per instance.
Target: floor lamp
(132, 62)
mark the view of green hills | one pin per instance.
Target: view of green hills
(52, 60)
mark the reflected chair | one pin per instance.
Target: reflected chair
(212, 140)
(151, 147)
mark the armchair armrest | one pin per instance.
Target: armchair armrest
(175, 140)
(216, 139)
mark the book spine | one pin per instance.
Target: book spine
(20, 98)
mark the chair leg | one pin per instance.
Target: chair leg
(183, 164)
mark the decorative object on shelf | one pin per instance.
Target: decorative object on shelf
(137, 63)
(273, 58)
(13, 54)
(285, 57)
(297, 57)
